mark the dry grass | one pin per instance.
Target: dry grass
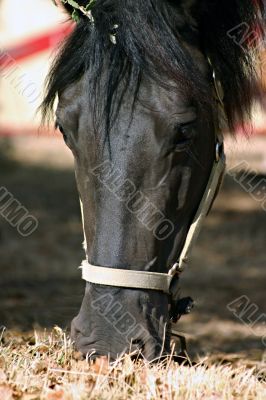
(44, 366)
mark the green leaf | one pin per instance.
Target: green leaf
(90, 5)
(72, 3)
(75, 5)
(75, 16)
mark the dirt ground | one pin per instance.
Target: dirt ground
(40, 285)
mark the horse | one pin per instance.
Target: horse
(144, 90)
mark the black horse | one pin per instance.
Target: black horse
(140, 110)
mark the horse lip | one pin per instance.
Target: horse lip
(135, 349)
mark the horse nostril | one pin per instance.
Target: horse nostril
(137, 343)
(137, 347)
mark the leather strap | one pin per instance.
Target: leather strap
(126, 278)
(211, 191)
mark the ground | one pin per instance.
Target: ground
(40, 288)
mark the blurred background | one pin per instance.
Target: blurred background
(40, 285)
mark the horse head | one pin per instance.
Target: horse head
(139, 108)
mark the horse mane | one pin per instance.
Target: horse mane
(150, 41)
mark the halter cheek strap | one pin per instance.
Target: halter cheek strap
(154, 280)
(213, 186)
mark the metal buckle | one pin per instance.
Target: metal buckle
(175, 269)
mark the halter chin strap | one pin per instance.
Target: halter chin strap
(155, 280)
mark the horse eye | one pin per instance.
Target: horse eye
(185, 133)
(57, 125)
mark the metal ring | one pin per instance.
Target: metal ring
(218, 89)
(218, 151)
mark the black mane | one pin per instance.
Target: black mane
(149, 41)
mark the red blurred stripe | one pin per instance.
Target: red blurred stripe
(9, 131)
(36, 45)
